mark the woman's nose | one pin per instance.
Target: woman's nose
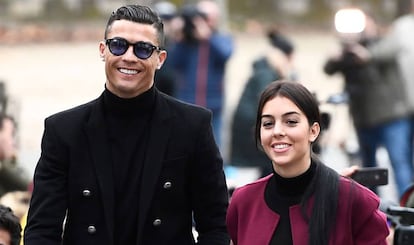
(278, 130)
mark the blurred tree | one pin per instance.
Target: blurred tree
(404, 7)
(89, 9)
(55, 9)
(319, 11)
(4, 4)
(251, 8)
(377, 9)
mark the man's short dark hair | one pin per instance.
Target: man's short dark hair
(10, 223)
(140, 14)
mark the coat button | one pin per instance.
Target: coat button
(86, 193)
(157, 222)
(91, 229)
(167, 185)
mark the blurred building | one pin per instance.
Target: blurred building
(34, 8)
(246, 8)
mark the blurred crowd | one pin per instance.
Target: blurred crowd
(15, 183)
(374, 64)
(198, 50)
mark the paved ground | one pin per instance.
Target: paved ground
(42, 79)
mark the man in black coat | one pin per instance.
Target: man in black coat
(133, 166)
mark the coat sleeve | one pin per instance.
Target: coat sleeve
(222, 47)
(208, 188)
(232, 219)
(49, 199)
(369, 223)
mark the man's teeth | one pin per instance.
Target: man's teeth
(127, 71)
(281, 146)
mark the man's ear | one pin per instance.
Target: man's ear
(161, 58)
(102, 47)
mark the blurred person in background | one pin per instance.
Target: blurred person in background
(276, 64)
(10, 229)
(12, 176)
(400, 41)
(398, 44)
(199, 58)
(377, 101)
(165, 78)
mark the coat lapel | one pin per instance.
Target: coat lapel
(157, 143)
(99, 148)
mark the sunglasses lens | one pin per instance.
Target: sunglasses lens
(143, 50)
(118, 46)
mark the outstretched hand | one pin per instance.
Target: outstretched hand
(349, 171)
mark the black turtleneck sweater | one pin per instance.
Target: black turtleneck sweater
(127, 121)
(282, 193)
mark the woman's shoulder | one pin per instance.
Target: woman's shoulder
(358, 195)
(253, 187)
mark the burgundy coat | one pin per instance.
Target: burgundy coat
(358, 221)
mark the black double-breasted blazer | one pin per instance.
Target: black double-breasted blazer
(182, 180)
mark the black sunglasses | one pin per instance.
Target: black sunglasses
(118, 46)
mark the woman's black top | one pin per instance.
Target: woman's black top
(282, 193)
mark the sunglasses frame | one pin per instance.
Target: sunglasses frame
(135, 46)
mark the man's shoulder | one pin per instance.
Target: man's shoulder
(184, 107)
(74, 111)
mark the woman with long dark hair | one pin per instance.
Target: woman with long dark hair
(303, 202)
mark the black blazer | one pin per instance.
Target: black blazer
(182, 175)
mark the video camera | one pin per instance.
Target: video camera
(402, 219)
(401, 216)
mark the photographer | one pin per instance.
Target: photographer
(377, 104)
(199, 57)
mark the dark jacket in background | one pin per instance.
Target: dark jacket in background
(376, 92)
(244, 152)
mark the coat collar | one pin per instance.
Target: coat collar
(100, 151)
(159, 134)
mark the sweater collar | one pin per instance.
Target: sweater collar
(142, 103)
(295, 185)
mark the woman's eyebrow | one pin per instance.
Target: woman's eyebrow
(284, 114)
